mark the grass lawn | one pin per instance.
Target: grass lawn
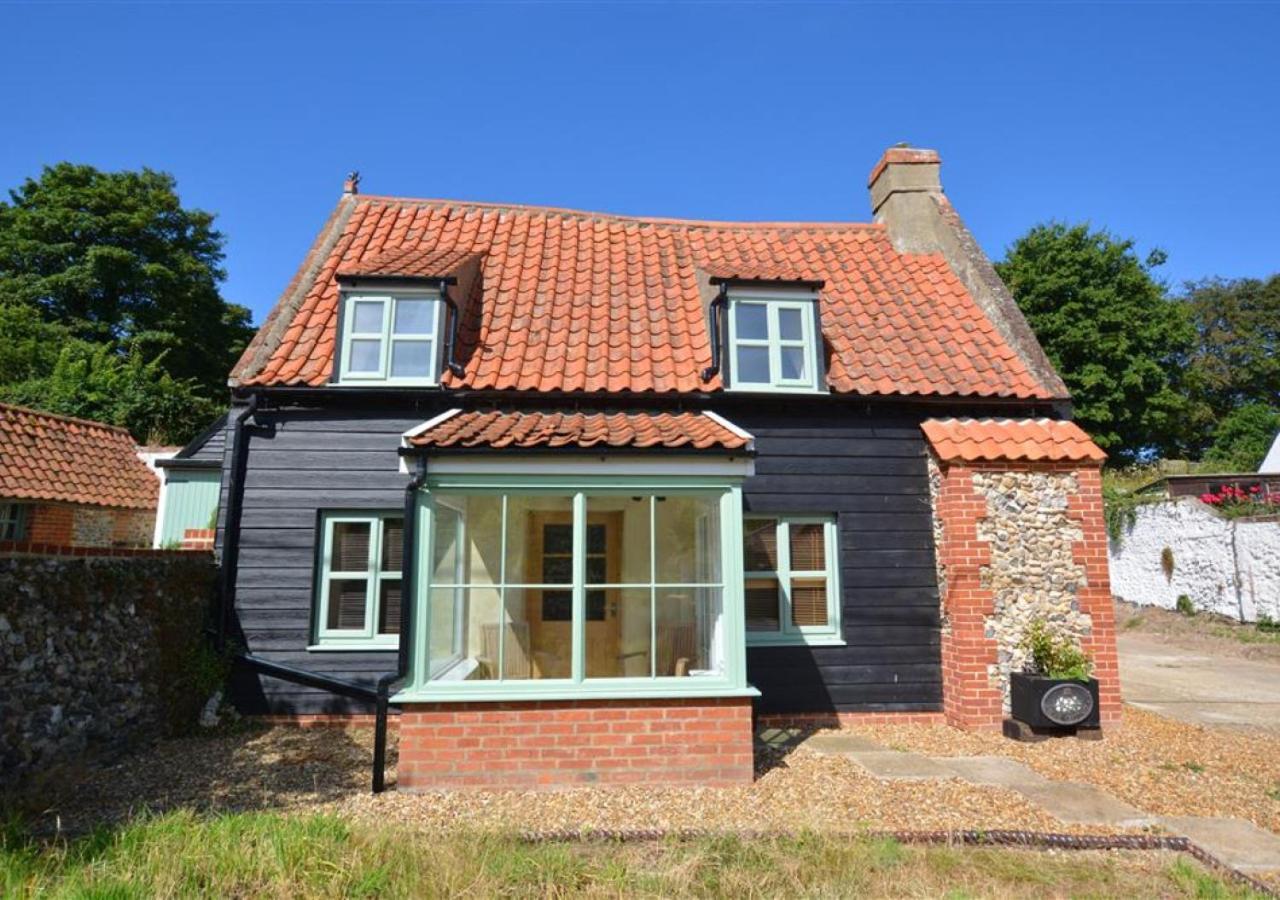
(268, 854)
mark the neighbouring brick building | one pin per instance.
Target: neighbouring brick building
(69, 483)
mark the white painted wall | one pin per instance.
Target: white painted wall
(1208, 551)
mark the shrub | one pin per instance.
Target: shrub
(1185, 606)
(1054, 655)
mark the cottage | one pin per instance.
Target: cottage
(581, 494)
(68, 483)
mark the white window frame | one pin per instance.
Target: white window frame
(788, 633)
(15, 520)
(366, 638)
(804, 302)
(386, 335)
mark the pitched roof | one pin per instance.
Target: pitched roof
(580, 301)
(48, 457)
(497, 429)
(1010, 439)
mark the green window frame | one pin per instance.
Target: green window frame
(359, 573)
(729, 677)
(773, 342)
(793, 614)
(391, 338)
(13, 521)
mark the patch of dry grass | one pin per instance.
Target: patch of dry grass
(323, 856)
(1203, 632)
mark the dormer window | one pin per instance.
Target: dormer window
(773, 340)
(391, 338)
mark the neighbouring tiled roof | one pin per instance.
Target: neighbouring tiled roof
(1010, 439)
(578, 301)
(496, 429)
(48, 457)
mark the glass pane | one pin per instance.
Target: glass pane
(392, 545)
(752, 365)
(808, 547)
(808, 602)
(463, 639)
(350, 551)
(411, 359)
(557, 569)
(790, 324)
(468, 545)
(367, 318)
(537, 647)
(760, 547)
(687, 536)
(539, 528)
(618, 540)
(688, 632)
(618, 642)
(389, 606)
(415, 317)
(794, 363)
(762, 605)
(751, 321)
(366, 356)
(347, 597)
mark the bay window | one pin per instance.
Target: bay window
(599, 589)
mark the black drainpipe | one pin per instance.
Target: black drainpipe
(717, 304)
(451, 342)
(231, 525)
(407, 589)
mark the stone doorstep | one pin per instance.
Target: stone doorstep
(1236, 842)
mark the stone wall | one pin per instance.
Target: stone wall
(1226, 566)
(1017, 542)
(84, 525)
(96, 654)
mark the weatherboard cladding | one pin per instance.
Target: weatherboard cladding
(868, 469)
(575, 301)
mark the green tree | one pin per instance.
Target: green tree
(1235, 362)
(1242, 438)
(116, 259)
(1110, 329)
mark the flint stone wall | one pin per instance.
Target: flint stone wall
(1033, 574)
(96, 655)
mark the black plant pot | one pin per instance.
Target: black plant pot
(1053, 703)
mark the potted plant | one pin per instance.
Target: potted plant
(1056, 693)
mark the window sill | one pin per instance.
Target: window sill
(796, 640)
(353, 647)
(567, 690)
(772, 389)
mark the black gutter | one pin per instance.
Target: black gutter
(230, 562)
(451, 343)
(407, 557)
(717, 305)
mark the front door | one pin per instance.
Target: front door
(550, 611)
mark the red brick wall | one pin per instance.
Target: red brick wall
(50, 523)
(551, 744)
(198, 538)
(972, 698)
(79, 525)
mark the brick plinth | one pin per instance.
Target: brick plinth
(557, 744)
(974, 666)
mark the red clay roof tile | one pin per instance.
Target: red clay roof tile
(1046, 440)
(518, 429)
(578, 301)
(48, 457)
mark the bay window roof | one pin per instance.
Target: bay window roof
(529, 429)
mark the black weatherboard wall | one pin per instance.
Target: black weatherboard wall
(864, 464)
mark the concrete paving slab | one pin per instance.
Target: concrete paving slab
(1196, 687)
(1083, 804)
(993, 771)
(897, 766)
(842, 743)
(1237, 842)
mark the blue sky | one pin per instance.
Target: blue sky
(1157, 121)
